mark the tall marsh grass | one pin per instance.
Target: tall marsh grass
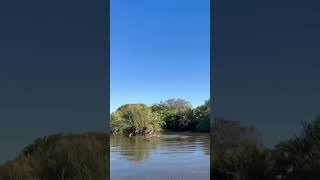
(135, 119)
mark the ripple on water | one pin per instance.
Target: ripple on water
(182, 155)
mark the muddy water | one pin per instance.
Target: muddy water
(172, 156)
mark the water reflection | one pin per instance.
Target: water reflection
(180, 155)
(136, 149)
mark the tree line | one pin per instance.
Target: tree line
(172, 114)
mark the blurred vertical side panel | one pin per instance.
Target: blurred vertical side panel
(54, 89)
(211, 86)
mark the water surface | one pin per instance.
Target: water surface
(172, 156)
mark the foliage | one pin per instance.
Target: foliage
(175, 104)
(172, 114)
(237, 154)
(201, 116)
(179, 115)
(65, 157)
(299, 157)
(135, 119)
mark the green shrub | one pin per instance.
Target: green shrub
(299, 157)
(179, 115)
(65, 157)
(238, 155)
(201, 116)
(135, 119)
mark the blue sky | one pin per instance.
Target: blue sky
(159, 50)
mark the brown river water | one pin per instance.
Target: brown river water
(172, 156)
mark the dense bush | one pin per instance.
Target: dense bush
(299, 157)
(173, 114)
(238, 154)
(135, 119)
(179, 115)
(201, 117)
(61, 157)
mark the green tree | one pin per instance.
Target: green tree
(179, 115)
(201, 117)
(176, 104)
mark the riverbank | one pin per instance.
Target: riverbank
(173, 114)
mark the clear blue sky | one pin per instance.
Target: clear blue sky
(159, 50)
